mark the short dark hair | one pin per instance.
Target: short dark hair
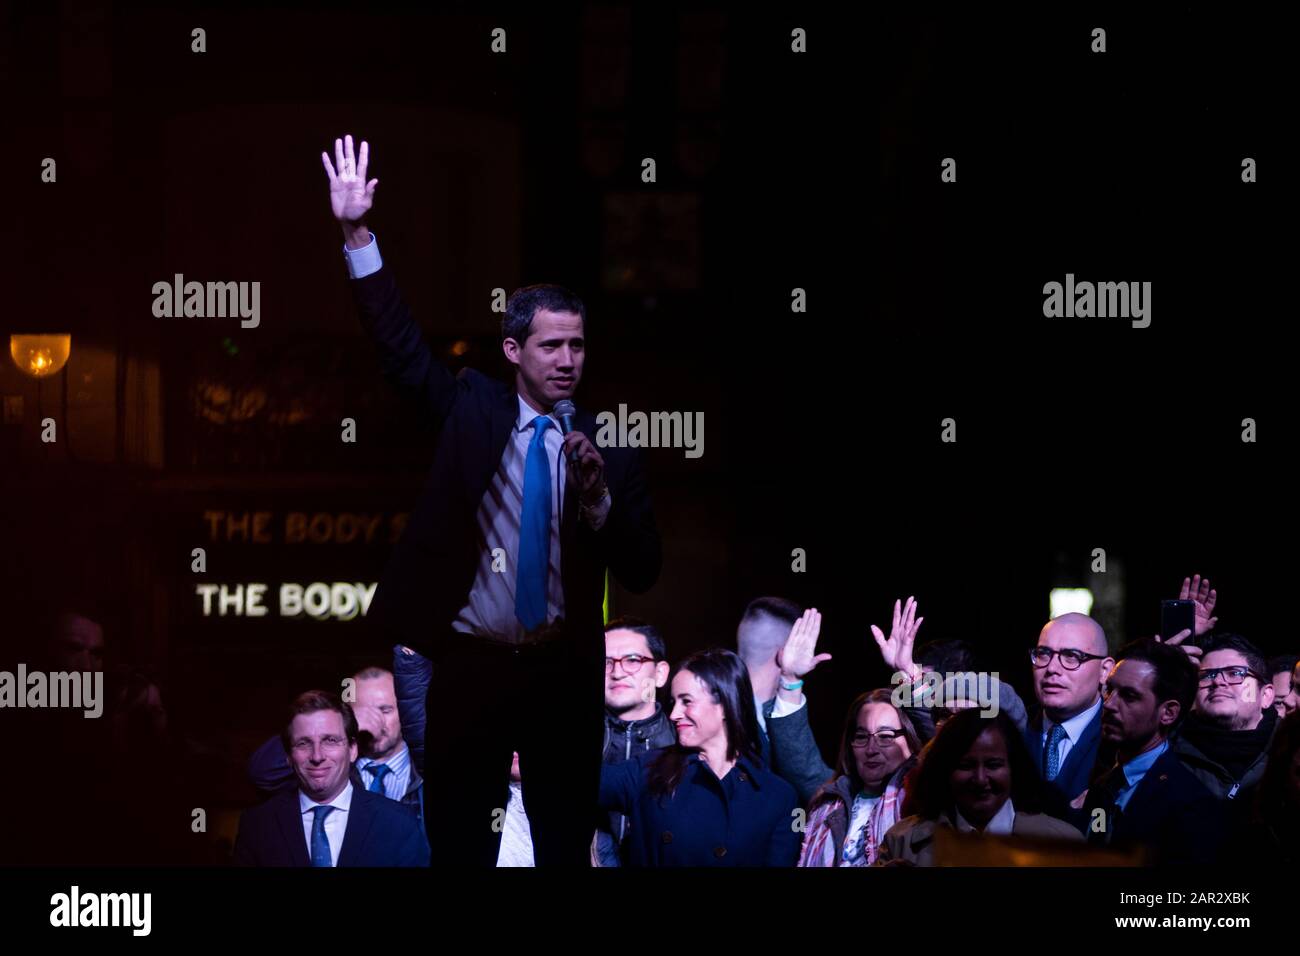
(950, 656)
(523, 304)
(929, 786)
(653, 639)
(1235, 642)
(309, 702)
(776, 607)
(1176, 675)
(1282, 664)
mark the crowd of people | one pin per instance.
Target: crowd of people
(1174, 751)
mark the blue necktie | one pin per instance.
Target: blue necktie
(320, 843)
(1050, 751)
(378, 769)
(534, 532)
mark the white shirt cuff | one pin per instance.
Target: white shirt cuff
(362, 262)
(783, 708)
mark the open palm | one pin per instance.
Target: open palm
(350, 195)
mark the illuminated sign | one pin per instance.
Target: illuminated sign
(339, 601)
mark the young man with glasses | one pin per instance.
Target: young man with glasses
(1070, 663)
(636, 667)
(1226, 740)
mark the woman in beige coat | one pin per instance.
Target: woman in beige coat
(976, 775)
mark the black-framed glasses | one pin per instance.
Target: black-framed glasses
(883, 738)
(631, 663)
(1071, 659)
(1231, 675)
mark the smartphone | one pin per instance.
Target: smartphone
(1178, 616)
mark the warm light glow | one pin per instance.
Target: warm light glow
(1067, 600)
(40, 356)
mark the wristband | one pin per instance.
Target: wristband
(795, 686)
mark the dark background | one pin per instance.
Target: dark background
(775, 171)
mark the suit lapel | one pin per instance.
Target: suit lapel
(288, 816)
(360, 818)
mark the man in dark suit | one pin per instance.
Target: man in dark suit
(326, 820)
(1148, 798)
(1070, 662)
(500, 577)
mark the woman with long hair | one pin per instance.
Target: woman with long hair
(708, 800)
(976, 775)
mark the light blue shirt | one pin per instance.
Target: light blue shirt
(399, 776)
(362, 262)
(1135, 770)
(1074, 728)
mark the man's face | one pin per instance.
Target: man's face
(78, 644)
(627, 685)
(1231, 706)
(1293, 698)
(549, 363)
(1130, 712)
(1064, 692)
(321, 754)
(1284, 699)
(377, 701)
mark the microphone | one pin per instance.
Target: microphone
(565, 411)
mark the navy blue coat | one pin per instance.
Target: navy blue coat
(380, 832)
(1076, 773)
(1171, 813)
(744, 819)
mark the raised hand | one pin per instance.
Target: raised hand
(1198, 589)
(897, 648)
(799, 656)
(1190, 650)
(350, 195)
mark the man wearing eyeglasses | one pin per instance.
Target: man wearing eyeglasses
(636, 666)
(1070, 663)
(326, 821)
(1225, 742)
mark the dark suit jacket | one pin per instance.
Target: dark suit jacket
(1076, 773)
(430, 574)
(1171, 813)
(380, 832)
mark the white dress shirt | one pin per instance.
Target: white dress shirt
(1000, 825)
(336, 823)
(1074, 727)
(490, 608)
(516, 836)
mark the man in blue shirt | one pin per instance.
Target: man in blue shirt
(1147, 799)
